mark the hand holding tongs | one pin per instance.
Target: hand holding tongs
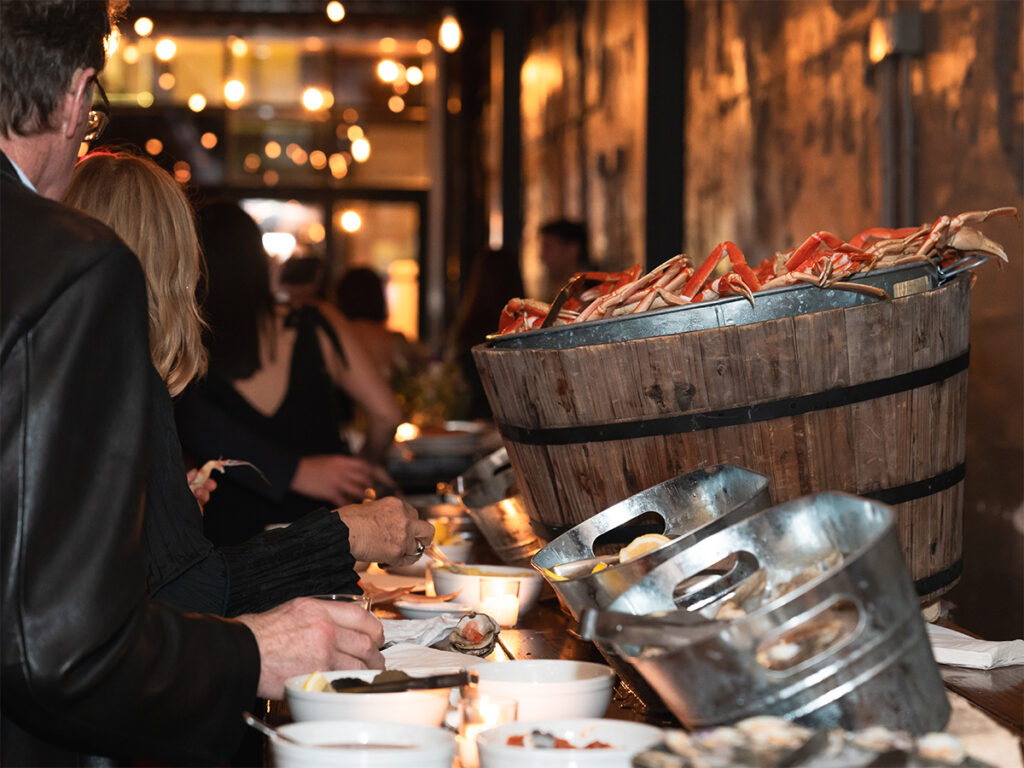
(434, 553)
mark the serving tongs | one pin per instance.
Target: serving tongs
(576, 285)
(450, 680)
(435, 553)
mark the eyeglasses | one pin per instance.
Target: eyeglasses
(99, 115)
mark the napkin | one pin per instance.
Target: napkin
(419, 631)
(407, 656)
(958, 649)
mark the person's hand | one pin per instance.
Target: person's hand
(334, 478)
(305, 635)
(201, 492)
(385, 531)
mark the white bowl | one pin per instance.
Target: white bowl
(418, 745)
(417, 707)
(455, 552)
(625, 739)
(550, 688)
(446, 582)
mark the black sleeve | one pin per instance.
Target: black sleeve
(89, 661)
(309, 557)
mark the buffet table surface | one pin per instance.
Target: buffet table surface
(987, 706)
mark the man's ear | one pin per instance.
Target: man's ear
(75, 103)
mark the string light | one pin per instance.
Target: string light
(450, 34)
(143, 26)
(165, 49)
(234, 91)
(351, 221)
(360, 150)
(197, 102)
(335, 11)
(387, 70)
(312, 99)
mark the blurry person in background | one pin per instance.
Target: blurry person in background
(300, 279)
(360, 297)
(269, 394)
(91, 664)
(149, 211)
(563, 252)
(495, 278)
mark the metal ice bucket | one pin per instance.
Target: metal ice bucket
(483, 470)
(499, 512)
(846, 648)
(692, 506)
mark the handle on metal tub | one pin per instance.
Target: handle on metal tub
(962, 265)
(724, 582)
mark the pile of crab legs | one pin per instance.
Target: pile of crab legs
(823, 259)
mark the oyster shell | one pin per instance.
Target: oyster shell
(476, 634)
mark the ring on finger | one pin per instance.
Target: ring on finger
(420, 546)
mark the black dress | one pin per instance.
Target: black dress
(215, 421)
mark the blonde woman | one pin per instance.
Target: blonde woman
(150, 212)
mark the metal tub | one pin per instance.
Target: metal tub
(845, 649)
(483, 470)
(770, 304)
(497, 508)
(692, 506)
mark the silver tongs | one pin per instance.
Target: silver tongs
(451, 680)
(576, 285)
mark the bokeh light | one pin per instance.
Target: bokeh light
(165, 49)
(335, 11)
(351, 221)
(360, 150)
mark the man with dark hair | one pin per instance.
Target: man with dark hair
(92, 665)
(563, 251)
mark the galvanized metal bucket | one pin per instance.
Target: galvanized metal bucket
(847, 648)
(497, 508)
(483, 470)
(691, 506)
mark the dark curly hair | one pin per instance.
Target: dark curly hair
(43, 43)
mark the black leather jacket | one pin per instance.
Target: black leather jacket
(90, 663)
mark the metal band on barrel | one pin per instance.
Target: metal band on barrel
(730, 417)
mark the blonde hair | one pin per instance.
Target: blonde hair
(143, 204)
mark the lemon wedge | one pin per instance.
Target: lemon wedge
(441, 532)
(641, 545)
(316, 682)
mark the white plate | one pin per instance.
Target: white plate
(417, 610)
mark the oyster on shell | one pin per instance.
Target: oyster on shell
(476, 634)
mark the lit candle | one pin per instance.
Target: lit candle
(504, 609)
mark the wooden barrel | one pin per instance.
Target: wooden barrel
(868, 399)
